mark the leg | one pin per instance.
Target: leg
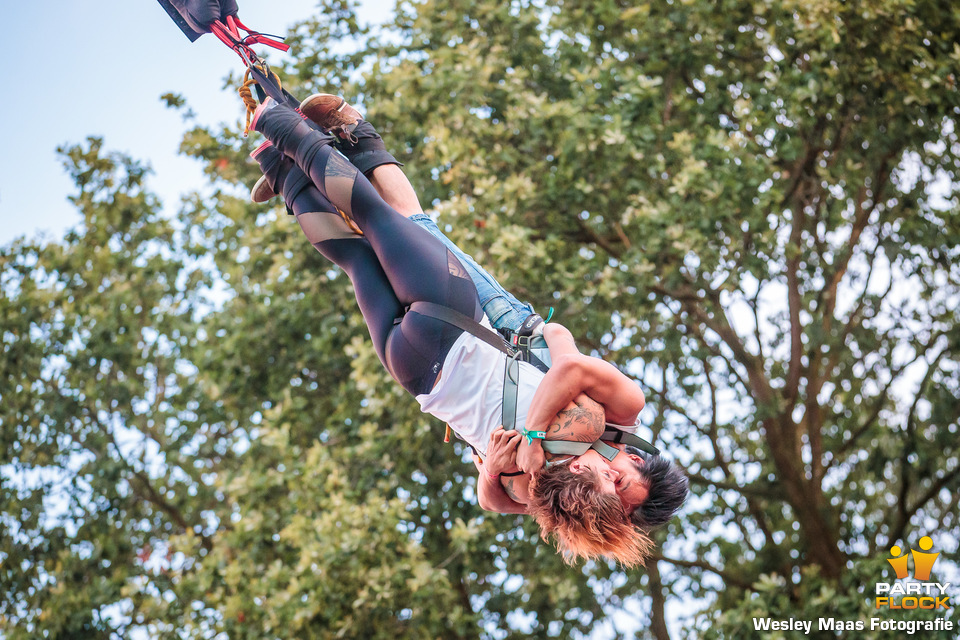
(391, 183)
(393, 265)
(402, 247)
(359, 141)
(331, 235)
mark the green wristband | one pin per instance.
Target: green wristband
(531, 435)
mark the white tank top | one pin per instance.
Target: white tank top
(469, 394)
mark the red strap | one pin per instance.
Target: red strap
(229, 34)
(220, 30)
(254, 37)
(232, 27)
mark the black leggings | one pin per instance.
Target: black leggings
(394, 264)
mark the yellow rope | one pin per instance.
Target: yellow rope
(246, 94)
(350, 223)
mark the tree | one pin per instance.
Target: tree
(749, 207)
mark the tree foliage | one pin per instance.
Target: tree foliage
(749, 207)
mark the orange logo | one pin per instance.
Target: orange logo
(922, 562)
(919, 593)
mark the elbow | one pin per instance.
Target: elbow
(484, 503)
(567, 364)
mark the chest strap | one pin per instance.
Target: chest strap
(616, 436)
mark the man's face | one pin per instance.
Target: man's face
(631, 487)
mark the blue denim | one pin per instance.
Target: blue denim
(501, 307)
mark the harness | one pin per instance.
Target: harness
(229, 30)
(523, 345)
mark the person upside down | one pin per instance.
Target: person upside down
(336, 176)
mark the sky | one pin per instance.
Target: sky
(79, 68)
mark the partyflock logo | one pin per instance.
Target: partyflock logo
(920, 593)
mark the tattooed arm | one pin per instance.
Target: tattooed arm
(573, 375)
(621, 397)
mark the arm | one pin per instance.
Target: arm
(503, 494)
(621, 397)
(572, 374)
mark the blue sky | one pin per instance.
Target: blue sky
(81, 68)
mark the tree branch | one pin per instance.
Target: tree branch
(728, 578)
(658, 613)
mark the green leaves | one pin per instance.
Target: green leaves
(745, 206)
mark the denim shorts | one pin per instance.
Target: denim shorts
(500, 306)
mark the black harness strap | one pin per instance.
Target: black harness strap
(511, 372)
(618, 436)
(177, 18)
(457, 319)
(267, 86)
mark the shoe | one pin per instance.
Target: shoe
(271, 163)
(280, 176)
(357, 139)
(332, 113)
(264, 190)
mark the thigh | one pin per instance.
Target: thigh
(502, 308)
(418, 265)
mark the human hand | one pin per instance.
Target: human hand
(502, 452)
(530, 456)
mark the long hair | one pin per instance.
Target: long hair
(584, 522)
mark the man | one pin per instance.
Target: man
(602, 494)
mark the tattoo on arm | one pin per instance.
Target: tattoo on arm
(579, 422)
(509, 489)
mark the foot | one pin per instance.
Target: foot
(356, 137)
(332, 113)
(271, 162)
(280, 175)
(264, 106)
(290, 132)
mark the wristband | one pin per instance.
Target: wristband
(532, 435)
(494, 476)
